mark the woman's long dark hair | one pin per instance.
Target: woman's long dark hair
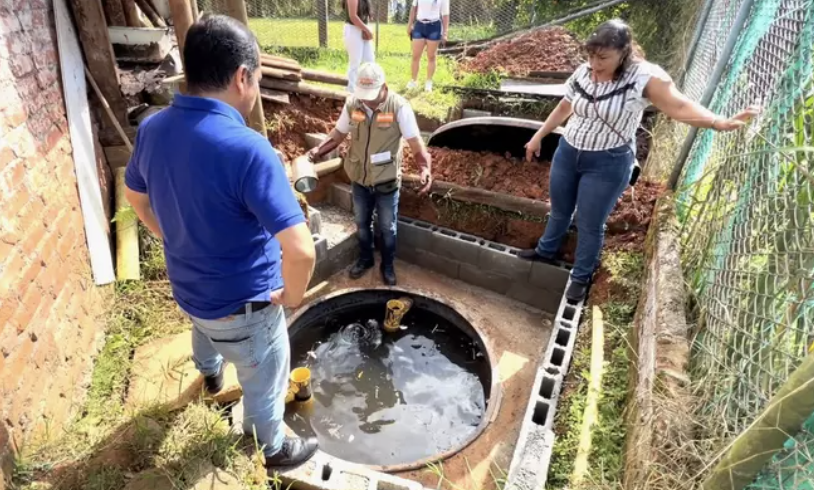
(615, 34)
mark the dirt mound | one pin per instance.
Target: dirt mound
(487, 171)
(288, 123)
(553, 49)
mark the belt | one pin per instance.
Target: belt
(251, 306)
(429, 21)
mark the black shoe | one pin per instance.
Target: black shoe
(295, 451)
(532, 255)
(214, 383)
(389, 275)
(359, 268)
(576, 291)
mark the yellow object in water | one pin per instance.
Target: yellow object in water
(396, 309)
(299, 385)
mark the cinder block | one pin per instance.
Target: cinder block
(414, 234)
(472, 274)
(312, 140)
(548, 276)
(470, 113)
(342, 196)
(550, 387)
(406, 252)
(321, 246)
(442, 265)
(456, 246)
(495, 257)
(543, 299)
(314, 221)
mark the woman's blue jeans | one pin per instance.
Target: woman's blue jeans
(590, 182)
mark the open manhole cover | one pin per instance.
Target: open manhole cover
(392, 401)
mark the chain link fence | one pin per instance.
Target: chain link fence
(746, 203)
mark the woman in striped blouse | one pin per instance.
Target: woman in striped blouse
(593, 164)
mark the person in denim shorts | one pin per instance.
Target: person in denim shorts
(428, 27)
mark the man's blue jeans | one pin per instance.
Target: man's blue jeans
(257, 344)
(591, 182)
(365, 201)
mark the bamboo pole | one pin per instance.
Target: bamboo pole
(303, 88)
(237, 10)
(748, 454)
(151, 14)
(108, 110)
(131, 14)
(591, 413)
(280, 74)
(324, 77)
(127, 252)
(194, 8)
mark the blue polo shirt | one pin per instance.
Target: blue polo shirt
(220, 194)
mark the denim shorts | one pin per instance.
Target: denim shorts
(431, 31)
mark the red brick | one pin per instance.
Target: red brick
(66, 244)
(13, 173)
(10, 271)
(7, 306)
(16, 364)
(39, 18)
(36, 233)
(19, 42)
(30, 273)
(26, 20)
(21, 141)
(32, 301)
(53, 137)
(32, 211)
(16, 203)
(21, 65)
(10, 23)
(45, 350)
(6, 155)
(15, 115)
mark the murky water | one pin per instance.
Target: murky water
(385, 399)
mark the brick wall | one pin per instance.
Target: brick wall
(49, 307)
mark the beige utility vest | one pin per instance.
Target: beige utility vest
(374, 136)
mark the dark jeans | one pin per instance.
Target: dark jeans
(365, 201)
(591, 182)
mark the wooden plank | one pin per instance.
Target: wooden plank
(280, 74)
(84, 154)
(274, 96)
(131, 14)
(127, 253)
(325, 77)
(92, 27)
(114, 10)
(151, 14)
(182, 20)
(237, 10)
(117, 156)
(281, 65)
(303, 88)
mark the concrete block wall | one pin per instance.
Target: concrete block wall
(482, 263)
(48, 303)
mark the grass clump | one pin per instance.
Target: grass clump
(624, 272)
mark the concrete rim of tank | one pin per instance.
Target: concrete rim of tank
(492, 403)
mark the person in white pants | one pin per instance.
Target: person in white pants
(428, 27)
(358, 38)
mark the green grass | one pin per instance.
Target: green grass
(305, 33)
(177, 444)
(606, 459)
(396, 67)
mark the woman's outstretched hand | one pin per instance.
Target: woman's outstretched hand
(533, 149)
(737, 121)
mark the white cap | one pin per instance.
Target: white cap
(369, 82)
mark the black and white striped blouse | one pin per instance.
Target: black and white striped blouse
(620, 103)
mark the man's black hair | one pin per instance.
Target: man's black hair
(215, 47)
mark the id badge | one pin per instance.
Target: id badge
(382, 158)
(385, 119)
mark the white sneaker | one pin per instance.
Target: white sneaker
(412, 85)
(428, 86)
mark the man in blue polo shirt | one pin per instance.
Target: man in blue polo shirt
(216, 193)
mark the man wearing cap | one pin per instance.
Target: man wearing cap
(378, 119)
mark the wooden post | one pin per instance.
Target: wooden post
(90, 22)
(182, 19)
(237, 9)
(785, 414)
(195, 13)
(322, 18)
(131, 13)
(115, 13)
(127, 253)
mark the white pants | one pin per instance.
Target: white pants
(359, 51)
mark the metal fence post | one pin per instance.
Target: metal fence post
(696, 38)
(322, 18)
(709, 92)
